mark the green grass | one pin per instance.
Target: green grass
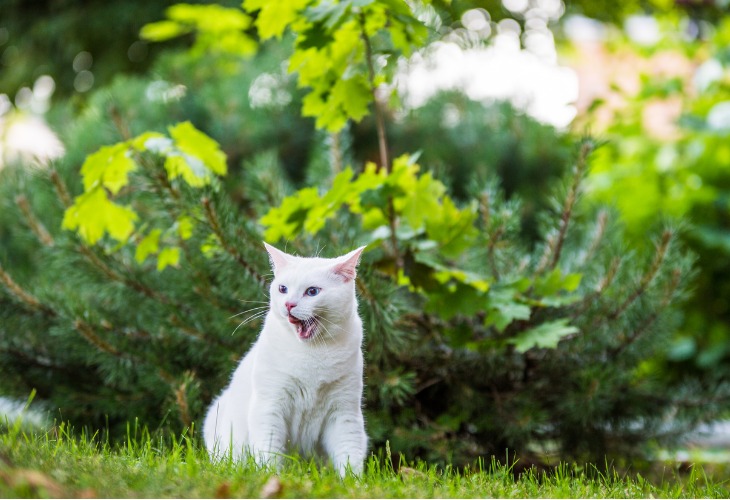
(61, 464)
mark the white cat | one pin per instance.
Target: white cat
(300, 386)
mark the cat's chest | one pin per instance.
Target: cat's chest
(312, 382)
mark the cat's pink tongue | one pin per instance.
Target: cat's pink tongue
(304, 329)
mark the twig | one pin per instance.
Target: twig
(379, 116)
(666, 300)
(336, 152)
(382, 140)
(181, 399)
(88, 333)
(61, 189)
(600, 231)
(591, 299)
(570, 201)
(197, 334)
(35, 225)
(214, 223)
(114, 276)
(648, 276)
(17, 291)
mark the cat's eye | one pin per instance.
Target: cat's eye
(282, 289)
(312, 291)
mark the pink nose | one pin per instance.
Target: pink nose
(290, 306)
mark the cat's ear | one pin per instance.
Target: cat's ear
(278, 259)
(346, 266)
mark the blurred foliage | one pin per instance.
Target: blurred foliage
(42, 37)
(652, 178)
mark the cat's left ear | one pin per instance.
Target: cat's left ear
(347, 264)
(278, 259)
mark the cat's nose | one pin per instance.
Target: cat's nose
(290, 306)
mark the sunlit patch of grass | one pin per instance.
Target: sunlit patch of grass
(63, 463)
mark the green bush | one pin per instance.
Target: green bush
(478, 338)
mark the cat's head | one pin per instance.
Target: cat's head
(315, 295)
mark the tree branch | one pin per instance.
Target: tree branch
(214, 223)
(382, 141)
(21, 295)
(35, 225)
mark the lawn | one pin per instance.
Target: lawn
(60, 463)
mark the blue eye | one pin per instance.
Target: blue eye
(282, 289)
(312, 291)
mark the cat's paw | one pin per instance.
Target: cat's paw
(343, 468)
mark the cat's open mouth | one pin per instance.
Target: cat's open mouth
(305, 327)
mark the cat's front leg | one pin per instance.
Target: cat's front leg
(267, 432)
(345, 442)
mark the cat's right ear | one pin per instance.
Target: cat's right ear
(278, 259)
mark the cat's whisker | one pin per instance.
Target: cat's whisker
(249, 310)
(258, 315)
(333, 324)
(321, 325)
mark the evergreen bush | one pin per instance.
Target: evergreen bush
(478, 340)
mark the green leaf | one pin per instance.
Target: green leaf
(149, 245)
(274, 17)
(328, 15)
(92, 215)
(215, 19)
(555, 282)
(151, 141)
(286, 220)
(163, 30)
(190, 169)
(544, 336)
(422, 200)
(195, 143)
(504, 307)
(169, 256)
(185, 225)
(353, 95)
(108, 167)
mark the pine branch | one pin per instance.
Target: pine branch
(65, 198)
(124, 280)
(214, 223)
(647, 278)
(570, 201)
(90, 335)
(197, 334)
(181, 399)
(22, 296)
(556, 240)
(87, 331)
(601, 223)
(35, 225)
(61, 189)
(603, 285)
(651, 319)
(494, 236)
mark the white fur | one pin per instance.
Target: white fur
(294, 394)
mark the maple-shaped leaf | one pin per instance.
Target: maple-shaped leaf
(149, 245)
(195, 143)
(544, 336)
(108, 167)
(92, 215)
(169, 256)
(274, 17)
